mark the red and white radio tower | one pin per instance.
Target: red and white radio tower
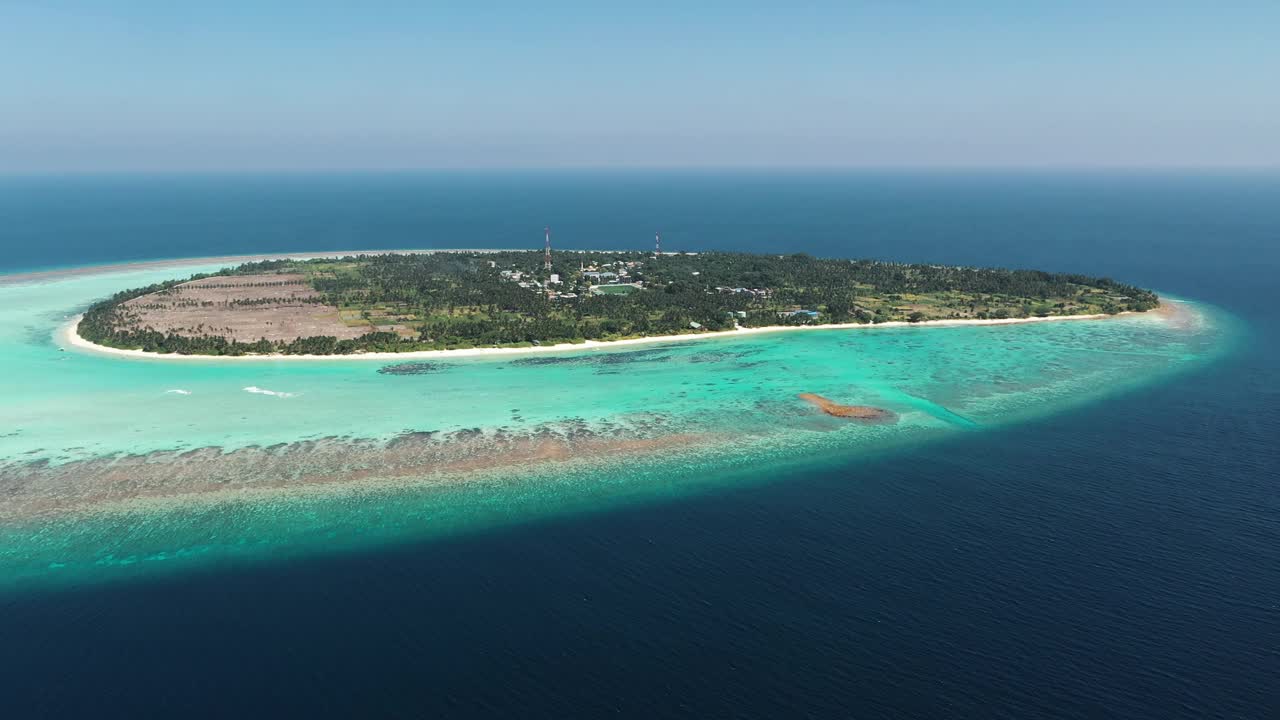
(657, 244)
(546, 256)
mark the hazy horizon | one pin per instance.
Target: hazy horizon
(816, 170)
(248, 87)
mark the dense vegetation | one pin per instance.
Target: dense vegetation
(453, 300)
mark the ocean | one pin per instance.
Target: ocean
(1072, 519)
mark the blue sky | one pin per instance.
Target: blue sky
(316, 85)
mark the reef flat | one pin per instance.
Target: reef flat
(835, 409)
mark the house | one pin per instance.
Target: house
(614, 289)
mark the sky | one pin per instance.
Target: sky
(134, 85)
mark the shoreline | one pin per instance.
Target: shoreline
(68, 337)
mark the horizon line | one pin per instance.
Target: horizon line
(909, 167)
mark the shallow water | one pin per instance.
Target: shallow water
(115, 466)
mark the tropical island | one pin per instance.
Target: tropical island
(518, 299)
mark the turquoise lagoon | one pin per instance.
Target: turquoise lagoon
(111, 467)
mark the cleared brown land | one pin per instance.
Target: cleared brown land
(246, 308)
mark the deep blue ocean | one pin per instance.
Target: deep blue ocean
(1121, 560)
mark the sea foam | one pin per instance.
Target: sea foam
(263, 391)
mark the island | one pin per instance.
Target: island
(407, 302)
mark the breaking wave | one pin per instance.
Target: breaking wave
(263, 391)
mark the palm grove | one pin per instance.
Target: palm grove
(457, 300)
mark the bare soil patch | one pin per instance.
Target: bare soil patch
(246, 308)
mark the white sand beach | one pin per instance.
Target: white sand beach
(68, 337)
